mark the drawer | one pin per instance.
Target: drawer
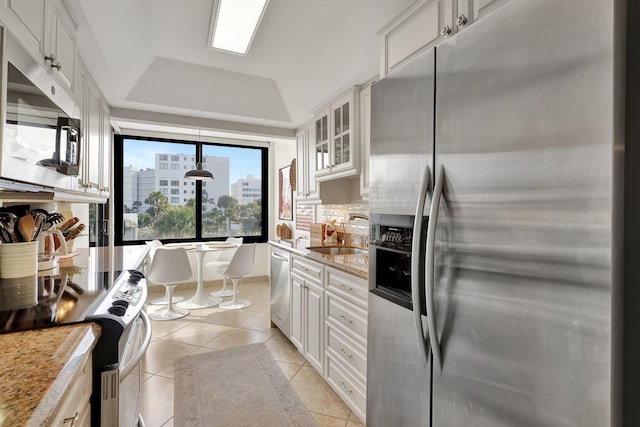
(353, 355)
(348, 318)
(351, 288)
(76, 402)
(307, 269)
(350, 390)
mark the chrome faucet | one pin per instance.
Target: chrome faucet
(354, 215)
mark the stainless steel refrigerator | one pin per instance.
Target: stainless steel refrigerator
(492, 268)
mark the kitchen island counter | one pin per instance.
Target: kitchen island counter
(38, 368)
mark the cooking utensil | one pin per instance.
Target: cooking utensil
(8, 223)
(40, 219)
(26, 226)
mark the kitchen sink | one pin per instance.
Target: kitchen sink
(338, 250)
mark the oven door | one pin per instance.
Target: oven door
(131, 372)
(120, 388)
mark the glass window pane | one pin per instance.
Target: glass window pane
(346, 152)
(148, 212)
(232, 202)
(345, 117)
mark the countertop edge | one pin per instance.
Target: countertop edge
(300, 248)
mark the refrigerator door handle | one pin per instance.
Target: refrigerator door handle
(430, 273)
(416, 258)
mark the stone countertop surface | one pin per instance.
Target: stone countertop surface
(356, 264)
(38, 368)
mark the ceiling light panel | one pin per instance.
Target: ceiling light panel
(234, 24)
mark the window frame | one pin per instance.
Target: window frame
(118, 193)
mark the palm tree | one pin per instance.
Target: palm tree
(229, 205)
(157, 202)
(251, 217)
(176, 221)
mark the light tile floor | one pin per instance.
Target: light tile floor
(214, 329)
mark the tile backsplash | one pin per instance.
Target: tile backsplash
(353, 231)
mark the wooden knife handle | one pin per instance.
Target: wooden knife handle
(68, 223)
(74, 233)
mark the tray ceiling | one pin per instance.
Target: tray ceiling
(152, 55)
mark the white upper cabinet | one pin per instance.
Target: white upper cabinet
(92, 136)
(336, 138)
(306, 187)
(62, 45)
(365, 139)
(106, 136)
(48, 32)
(28, 20)
(426, 23)
(96, 134)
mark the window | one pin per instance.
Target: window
(209, 210)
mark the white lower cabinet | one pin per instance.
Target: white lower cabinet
(75, 410)
(307, 313)
(345, 322)
(329, 327)
(350, 390)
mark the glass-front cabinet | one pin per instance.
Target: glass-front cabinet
(323, 164)
(336, 134)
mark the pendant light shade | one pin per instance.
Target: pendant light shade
(199, 174)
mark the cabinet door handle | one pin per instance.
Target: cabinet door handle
(71, 420)
(345, 354)
(345, 287)
(57, 65)
(344, 387)
(445, 30)
(462, 20)
(345, 320)
(51, 58)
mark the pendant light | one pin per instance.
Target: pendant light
(198, 173)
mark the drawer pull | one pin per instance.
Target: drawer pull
(345, 287)
(344, 387)
(71, 420)
(345, 320)
(345, 354)
(303, 268)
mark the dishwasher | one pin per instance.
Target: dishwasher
(280, 290)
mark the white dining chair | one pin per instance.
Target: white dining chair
(169, 267)
(241, 264)
(164, 300)
(221, 264)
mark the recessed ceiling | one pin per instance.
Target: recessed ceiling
(152, 55)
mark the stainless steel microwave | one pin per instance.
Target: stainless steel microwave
(41, 126)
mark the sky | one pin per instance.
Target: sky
(242, 161)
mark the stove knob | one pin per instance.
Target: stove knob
(117, 310)
(120, 303)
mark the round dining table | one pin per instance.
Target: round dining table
(202, 299)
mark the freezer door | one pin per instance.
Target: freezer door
(523, 245)
(401, 136)
(398, 379)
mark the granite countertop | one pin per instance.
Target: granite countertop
(356, 264)
(38, 368)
